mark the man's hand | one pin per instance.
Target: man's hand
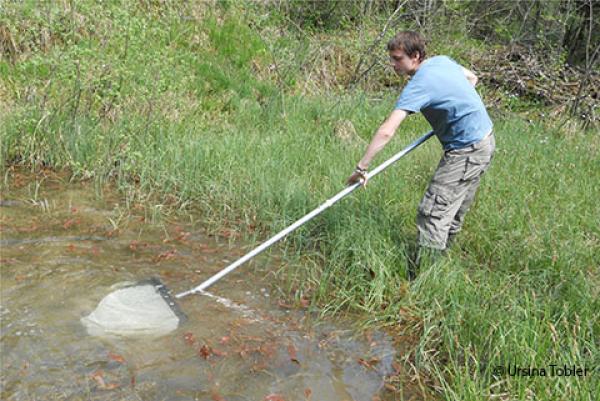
(359, 175)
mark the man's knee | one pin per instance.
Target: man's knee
(434, 217)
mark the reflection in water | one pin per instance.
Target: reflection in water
(59, 261)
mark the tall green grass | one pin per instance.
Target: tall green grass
(204, 104)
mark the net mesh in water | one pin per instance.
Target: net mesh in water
(143, 309)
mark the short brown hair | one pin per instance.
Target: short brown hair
(410, 42)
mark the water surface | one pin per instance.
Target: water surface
(64, 248)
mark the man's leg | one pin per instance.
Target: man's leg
(443, 198)
(485, 148)
(459, 217)
(449, 196)
(435, 213)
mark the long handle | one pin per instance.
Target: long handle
(328, 203)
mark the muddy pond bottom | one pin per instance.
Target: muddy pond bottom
(64, 248)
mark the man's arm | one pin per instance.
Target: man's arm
(383, 135)
(471, 77)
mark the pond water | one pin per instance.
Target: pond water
(63, 248)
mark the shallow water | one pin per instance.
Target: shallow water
(63, 249)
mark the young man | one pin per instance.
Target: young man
(444, 92)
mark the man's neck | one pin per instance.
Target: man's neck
(416, 68)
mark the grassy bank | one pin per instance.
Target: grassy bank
(214, 108)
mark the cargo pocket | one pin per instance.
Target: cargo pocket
(475, 166)
(434, 205)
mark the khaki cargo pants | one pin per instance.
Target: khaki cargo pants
(451, 192)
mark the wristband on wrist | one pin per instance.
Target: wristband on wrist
(360, 170)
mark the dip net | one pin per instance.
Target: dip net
(145, 308)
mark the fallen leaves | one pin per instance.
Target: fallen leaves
(369, 364)
(227, 233)
(305, 302)
(112, 233)
(216, 396)
(82, 250)
(274, 397)
(205, 351)
(8, 261)
(393, 382)
(217, 352)
(71, 222)
(204, 248)
(29, 229)
(98, 378)
(293, 353)
(189, 338)
(283, 305)
(180, 236)
(133, 245)
(165, 255)
(116, 357)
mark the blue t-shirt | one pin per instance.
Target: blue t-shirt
(440, 90)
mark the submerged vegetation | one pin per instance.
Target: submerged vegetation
(252, 114)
